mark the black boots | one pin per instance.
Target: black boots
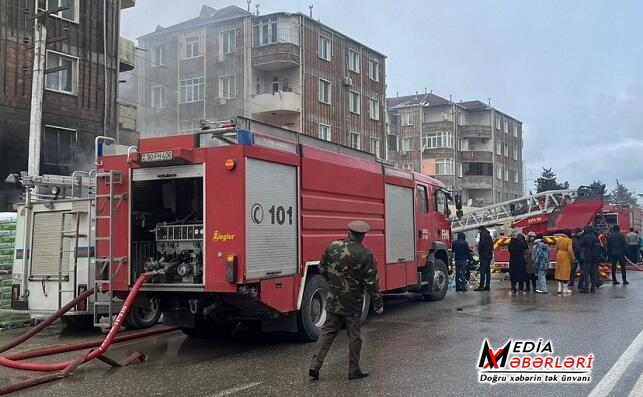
(315, 366)
(357, 374)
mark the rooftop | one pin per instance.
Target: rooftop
(416, 100)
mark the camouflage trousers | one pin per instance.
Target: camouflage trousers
(329, 331)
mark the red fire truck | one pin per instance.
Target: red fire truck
(237, 216)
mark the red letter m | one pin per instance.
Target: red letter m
(496, 360)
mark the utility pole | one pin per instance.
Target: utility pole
(37, 91)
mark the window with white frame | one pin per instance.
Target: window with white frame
(374, 108)
(506, 175)
(499, 148)
(355, 140)
(444, 167)
(407, 118)
(498, 122)
(227, 41)
(259, 85)
(191, 90)
(499, 172)
(459, 170)
(264, 30)
(408, 166)
(66, 78)
(373, 69)
(189, 125)
(324, 91)
(406, 144)
(515, 153)
(353, 61)
(516, 176)
(506, 127)
(353, 102)
(158, 97)
(192, 45)
(506, 150)
(432, 140)
(375, 146)
(515, 130)
(227, 87)
(460, 118)
(159, 57)
(324, 132)
(70, 11)
(323, 49)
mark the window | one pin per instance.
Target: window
(259, 85)
(408, 166)
(506, 175)
(375, 146)
(355, 140)
(499, 148)
(460, 170)
(158, 55)
(407, 118)
(227, 87)
(227, 41)
(374, 108)
(444, 167)
(58, 147)
(373, 70)
(499, 172)
(353, 61)
(324, 132)
(515, 153)
(275, 84)
(434, 140)
(423, 202)
(71, 9)
(353, 102)
(498, 122)
(158, 97)
(441, 203)
(189, 125)
(406, 144)
(392, 142)
(264, 30)
(64, 80)
(506, 125)
(506, 150)
(516, 177)
(460, 118)
(192, 44)
(324, 47)
(192, 90)
(324, 91)
(515, 130)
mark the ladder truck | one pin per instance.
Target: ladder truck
(234, 219)
(545, 213)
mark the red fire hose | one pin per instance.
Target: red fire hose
(66, 367)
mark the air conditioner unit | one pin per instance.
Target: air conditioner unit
(348, 81)
(220, 101)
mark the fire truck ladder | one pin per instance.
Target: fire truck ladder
(105, 265)
(512, 210)
(72, 249)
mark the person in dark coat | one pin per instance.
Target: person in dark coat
(578, 263)
(485, 253)
(462, 254)
(591, 254)
(616, 250)
(517, 263)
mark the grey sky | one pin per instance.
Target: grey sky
(571, 71)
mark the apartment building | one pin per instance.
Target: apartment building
(284, 69)
(79, 101)
(472, 147)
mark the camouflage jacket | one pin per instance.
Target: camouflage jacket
(350, 270)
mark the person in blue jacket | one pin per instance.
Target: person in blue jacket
(462, 254)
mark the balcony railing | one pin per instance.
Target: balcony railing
(477, 181)
(477, 156)
(275, 102)
(475, 131)
(438, 125)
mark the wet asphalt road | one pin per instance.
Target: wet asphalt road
(414, 349)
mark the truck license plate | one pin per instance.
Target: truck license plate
(157, 156)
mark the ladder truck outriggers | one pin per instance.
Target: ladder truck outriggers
(545, 213)
(235, 217)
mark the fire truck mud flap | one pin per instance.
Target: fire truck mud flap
(436, 274)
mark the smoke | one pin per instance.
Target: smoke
(10, 193)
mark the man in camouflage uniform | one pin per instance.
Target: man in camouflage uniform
(350, 270)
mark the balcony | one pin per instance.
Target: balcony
(437, 126)
(126, 54)
(275, 103)
(278, 54)
(127, 4)
(475, 131)
(476, 156)
(477, 182)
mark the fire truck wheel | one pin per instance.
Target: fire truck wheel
(78, 323)
(438, 281)
(143, 314)
(312, 314)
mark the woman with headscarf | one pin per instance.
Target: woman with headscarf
(517, 263)
(564, 258)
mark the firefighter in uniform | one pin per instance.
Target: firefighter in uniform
(350, 270)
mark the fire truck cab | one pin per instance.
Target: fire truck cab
(238, 216)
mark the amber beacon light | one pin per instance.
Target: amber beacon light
(230, 164)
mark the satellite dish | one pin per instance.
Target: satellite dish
(469, 202)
